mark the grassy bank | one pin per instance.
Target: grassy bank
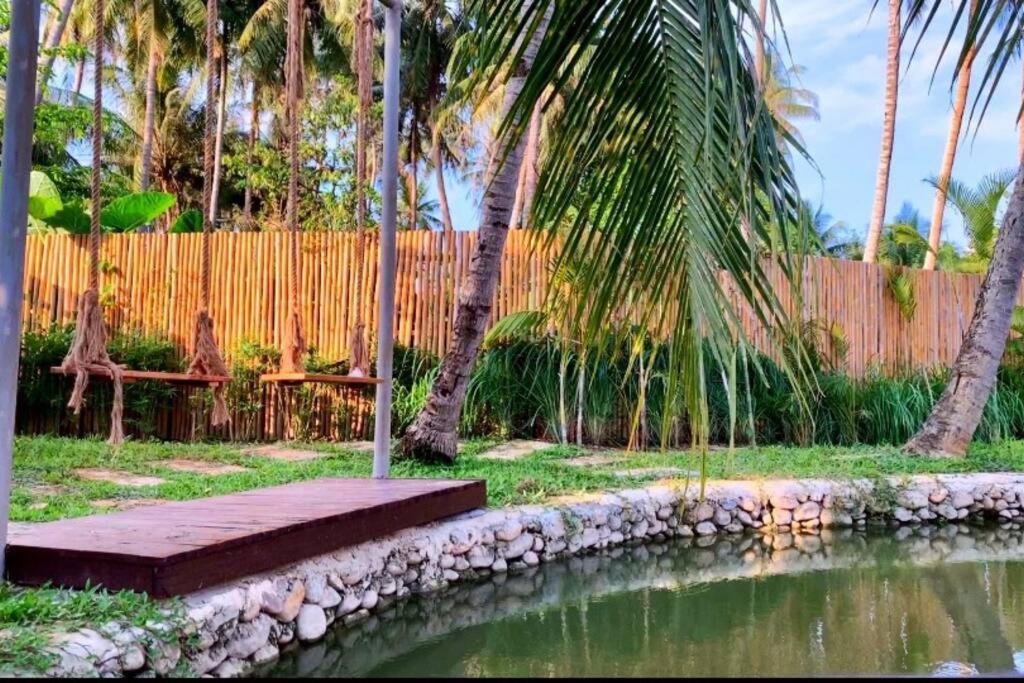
(46, 486)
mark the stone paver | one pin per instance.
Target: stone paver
(655, 472)
(278, 452)
(117, 477)
(592, 461)
(126, 504)
(200, 466)
(515, 449)
(359, 446)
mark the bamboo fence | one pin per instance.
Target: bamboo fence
(151, 283)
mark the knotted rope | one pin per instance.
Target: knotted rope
(206, 356)
(360, 361)
(294, 340)
(88, 350)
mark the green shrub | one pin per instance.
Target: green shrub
(42, 394)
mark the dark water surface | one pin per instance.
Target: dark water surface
(932, 601)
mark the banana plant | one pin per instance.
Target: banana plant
(47, 211)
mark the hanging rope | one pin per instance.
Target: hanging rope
(206, 357)
(360, 361)
(294, 340)
(89, 348)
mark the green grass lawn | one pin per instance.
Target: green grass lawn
(46, 488)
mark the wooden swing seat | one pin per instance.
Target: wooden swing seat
(132, 376)
(291, 378)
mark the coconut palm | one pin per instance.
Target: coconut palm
(426, 210)
(978, 207)
(661, 145)
(831, 238)
(963, 84)
(53, 41)
(788, 103)
(956, 415)
(892, 69)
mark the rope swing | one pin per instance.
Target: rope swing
(89, 348)
(294, 340)
(359, 365)
(291, 370)
(206, 358)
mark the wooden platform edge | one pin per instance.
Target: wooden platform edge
(131, 376)
(216, 564)
(311, 378)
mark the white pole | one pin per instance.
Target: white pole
(16, 167)
(389, 192)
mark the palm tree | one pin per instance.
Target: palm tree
(903, 242)
(52, 43)
(426, 210)
(963, 84)
(661, 144)
(786, 102)
(832, 238)
(892, 68)
(978, 206)
(955, 417)
(430, 31)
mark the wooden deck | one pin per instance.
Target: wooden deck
(177, 548)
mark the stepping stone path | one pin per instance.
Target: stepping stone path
(655, 472)
(200, 466)
(277, 452)
(118, 477)
(359, 446)
(515, 450)
(592, 461)
(126, 504)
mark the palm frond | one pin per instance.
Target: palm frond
(663, 169)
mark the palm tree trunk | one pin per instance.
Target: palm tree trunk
(1020, 126)
(516, 219)
(892, 69)
(433, 436)
(963, 84)
(222, 100)
(762, 15)
(254, 136)
(51, 45)
(442, 192)
(954, 419)
(412, 180)
(530, 164)
(79, 76)
(150, 117)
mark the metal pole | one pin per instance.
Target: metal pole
(16, 167)
(389, 192)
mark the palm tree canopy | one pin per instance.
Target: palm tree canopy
(978, 206)
(663, 167)
(788, 102)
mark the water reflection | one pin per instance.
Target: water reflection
(944, 601)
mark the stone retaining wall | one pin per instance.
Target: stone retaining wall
(229, 630)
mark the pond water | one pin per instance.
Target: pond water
(938, 601)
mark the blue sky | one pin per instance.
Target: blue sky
(842, 49)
